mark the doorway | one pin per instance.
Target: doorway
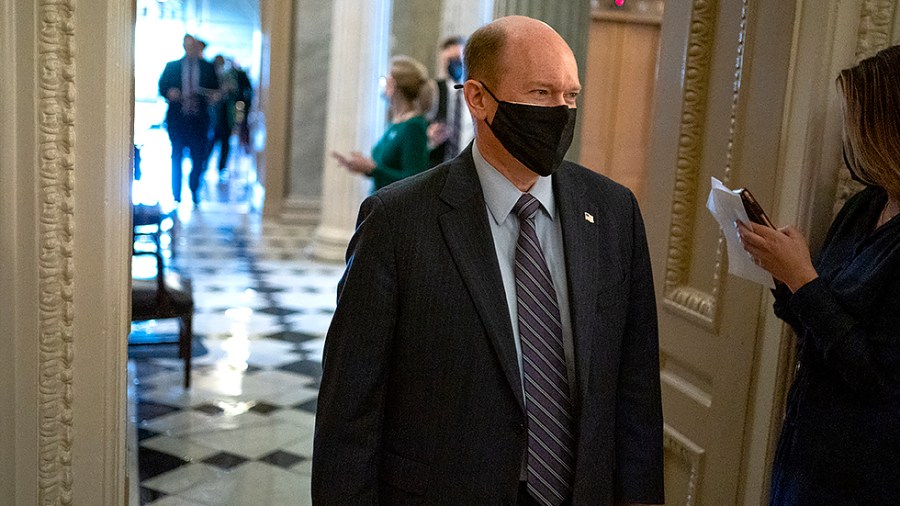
(230, 32)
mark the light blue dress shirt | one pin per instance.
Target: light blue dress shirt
(500, 195)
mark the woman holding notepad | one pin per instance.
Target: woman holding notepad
(840, 443)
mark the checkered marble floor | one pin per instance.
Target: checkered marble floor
(242, 434)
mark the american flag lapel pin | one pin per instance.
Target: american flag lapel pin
(588, 217)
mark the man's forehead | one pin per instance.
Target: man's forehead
(537, 61)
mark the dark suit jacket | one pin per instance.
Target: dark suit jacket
(177, 122)
(421, 401)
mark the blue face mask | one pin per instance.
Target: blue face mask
(455, 69)
(537, 136)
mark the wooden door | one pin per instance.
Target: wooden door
(618, 93)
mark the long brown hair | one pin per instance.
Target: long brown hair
(870, 94)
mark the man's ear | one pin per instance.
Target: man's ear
(476, 98)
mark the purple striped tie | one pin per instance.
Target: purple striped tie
(551, 445)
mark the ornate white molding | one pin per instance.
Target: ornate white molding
(875, 27)
(678, 296)
(679, 445)
(693, 303)
(56, 83)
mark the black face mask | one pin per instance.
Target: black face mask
(455, 69)
(538, 136)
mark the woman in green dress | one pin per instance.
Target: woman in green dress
(403, 149)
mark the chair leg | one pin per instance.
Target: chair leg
(185, 348)
(172, 243)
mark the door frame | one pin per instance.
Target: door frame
(65, 181)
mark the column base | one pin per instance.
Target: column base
(301, 211)
(330, 244)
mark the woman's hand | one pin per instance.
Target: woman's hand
(356, 162)
(783, 252)
(438, 133)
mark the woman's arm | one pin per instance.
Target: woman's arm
(864, 353)
(783, 252)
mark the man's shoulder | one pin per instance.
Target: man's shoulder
(573, 173)
(418, 188)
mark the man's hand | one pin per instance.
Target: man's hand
(783, 252)
(173, 94)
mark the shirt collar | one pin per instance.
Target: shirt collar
(501, 195)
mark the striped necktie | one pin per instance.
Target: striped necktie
(551, 445)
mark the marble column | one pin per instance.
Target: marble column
(415, 30)
(276, 24)
(356, 115)
(572, 19)
(311, 61)
(462, 17)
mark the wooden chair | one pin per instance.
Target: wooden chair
(167, 295)
(147, 221)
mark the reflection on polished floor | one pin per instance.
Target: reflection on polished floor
(242, 434)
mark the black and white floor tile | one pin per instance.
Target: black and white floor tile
(242, 434)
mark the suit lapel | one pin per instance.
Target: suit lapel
(580, 241)
(471, 244)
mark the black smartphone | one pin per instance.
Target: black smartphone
(754, 211)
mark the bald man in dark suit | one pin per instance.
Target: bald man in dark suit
(495, 338)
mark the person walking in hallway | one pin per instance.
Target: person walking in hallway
(188, 84)
(495, 338)
(840, 440)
